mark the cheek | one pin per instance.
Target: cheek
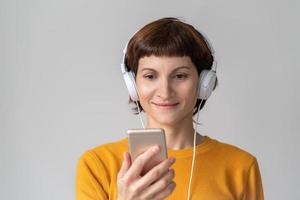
(145, 95)
(144, 91)
(189, 90)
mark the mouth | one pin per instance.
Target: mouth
(166, 105)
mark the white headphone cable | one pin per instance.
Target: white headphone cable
(194, 152)
(139, 111)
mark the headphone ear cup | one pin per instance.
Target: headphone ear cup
(131, 86)
(207, 82)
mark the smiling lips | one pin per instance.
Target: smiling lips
(166, 105)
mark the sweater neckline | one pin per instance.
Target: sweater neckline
(207, 144)
(204, 146)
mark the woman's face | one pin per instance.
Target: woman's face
(167, 88)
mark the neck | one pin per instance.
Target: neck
(178, 135)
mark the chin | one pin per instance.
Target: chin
(168, 121)
(168, 118)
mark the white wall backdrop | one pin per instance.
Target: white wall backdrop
(61, 89)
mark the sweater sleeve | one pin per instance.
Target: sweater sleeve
(254, 188)
(91, 179)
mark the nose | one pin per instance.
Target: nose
(165, 89)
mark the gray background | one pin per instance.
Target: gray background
(61, 89)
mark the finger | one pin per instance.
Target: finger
(166, 192)
(125, 164)
(159, 185)
(154, 174)
(138, 164)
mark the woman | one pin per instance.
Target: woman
(167, 59)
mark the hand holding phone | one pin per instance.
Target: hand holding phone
(147, 175)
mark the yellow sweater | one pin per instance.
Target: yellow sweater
(221, 172)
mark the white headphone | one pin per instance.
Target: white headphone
(206, 83)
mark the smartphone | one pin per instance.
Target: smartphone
(139, 140)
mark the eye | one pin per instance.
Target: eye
(181, 76)
(149, 76)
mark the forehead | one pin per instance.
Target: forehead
(165, 63)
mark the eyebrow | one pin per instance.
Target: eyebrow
(181, 67)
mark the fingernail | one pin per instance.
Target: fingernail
(155, 149)
(172, 160)
(172, 185)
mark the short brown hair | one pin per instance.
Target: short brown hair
(169, 37)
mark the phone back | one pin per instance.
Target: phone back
(139, 140)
